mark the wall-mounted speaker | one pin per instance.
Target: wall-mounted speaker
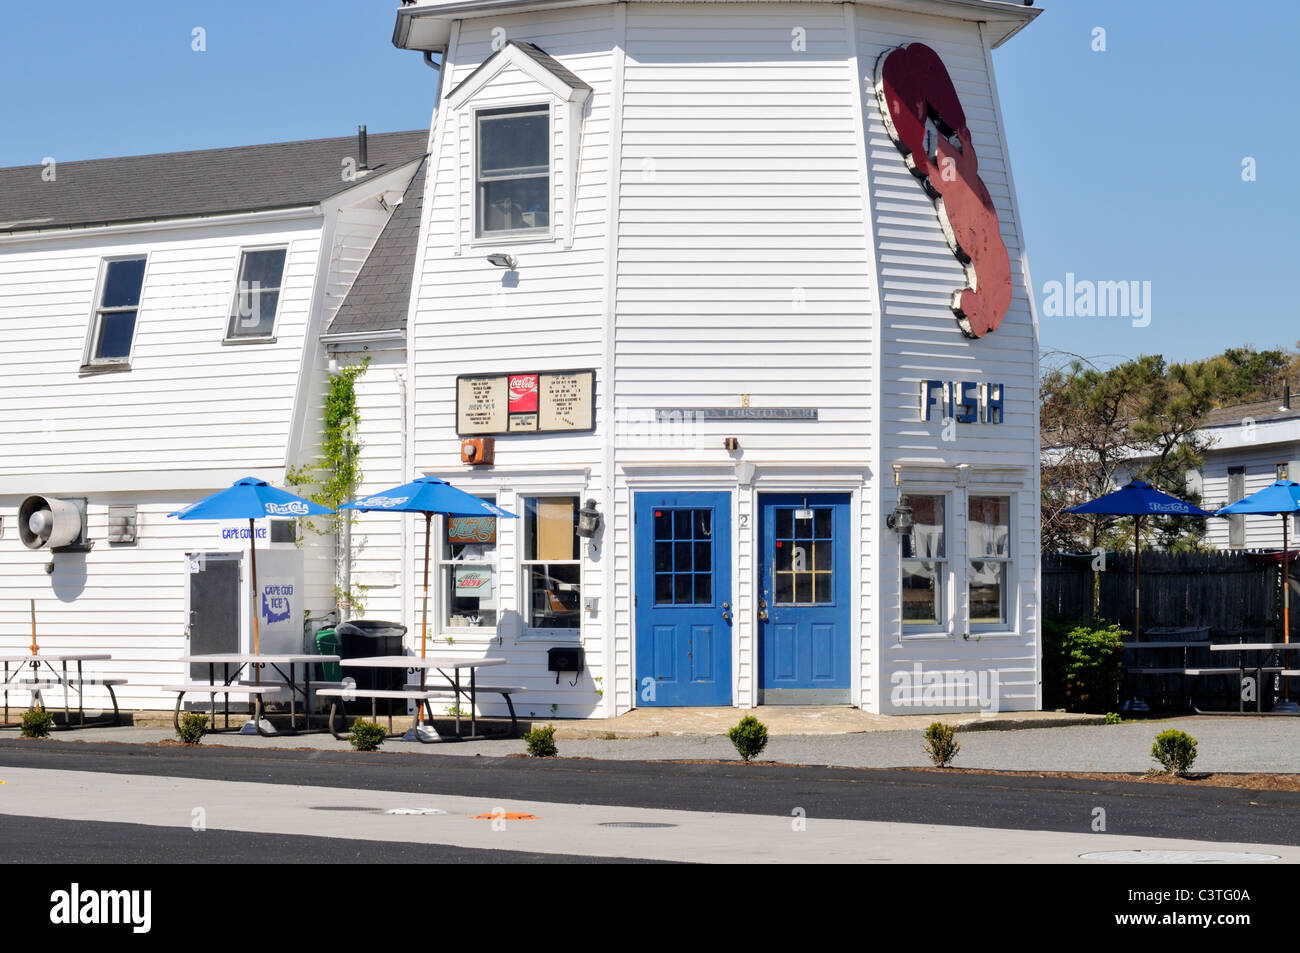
(47, 522)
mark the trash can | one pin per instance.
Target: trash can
(364, 638)
(327, 643)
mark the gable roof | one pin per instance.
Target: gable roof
(531, 53)
(186, 184)
(381, 294)
(1260, 410)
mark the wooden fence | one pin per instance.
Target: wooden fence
(1223, 590)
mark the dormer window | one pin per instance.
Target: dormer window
(514, 171)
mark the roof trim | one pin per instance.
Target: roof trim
(529, 59)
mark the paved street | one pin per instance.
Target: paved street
(311, 805)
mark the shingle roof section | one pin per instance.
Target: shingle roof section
(185, 184)
(381, 293)
(537, 54)
(1259, 410)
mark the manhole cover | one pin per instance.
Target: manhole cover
(633, 824)
(342, 807)
(1178, 857)
(414, 810)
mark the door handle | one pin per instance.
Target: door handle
(762, 609)
(726, 611)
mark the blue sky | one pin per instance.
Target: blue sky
(1128, 162)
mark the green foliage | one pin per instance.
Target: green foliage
(1081, 664)
(332, 479)
(749, 737)
(541, 742)
(36, 723)
(1113, 718)
(194, 725)
(366, 735)
(941, 744)
(1175, 750)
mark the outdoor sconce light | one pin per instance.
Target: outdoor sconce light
(731, 444)
(588, 520)
(900, 521)
(1282, 471)
(503, 261)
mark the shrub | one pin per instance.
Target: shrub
(1175, 750)
(941, 744)
(541, 742)
(37, 723)
(749, 737)
(194, 725)
(366, 735)
(1081, 664)
(1113, 718)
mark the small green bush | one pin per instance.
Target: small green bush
(194, 725)
(749, 737)
(941, 744)
(366, 735)
(37, 723)
(541, 742)
(1113, 718)
(1081, 664)
(1175, 750)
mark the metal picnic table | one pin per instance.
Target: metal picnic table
(58, 677)
(242, 660)
(440, 664)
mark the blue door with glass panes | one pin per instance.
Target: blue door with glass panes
(803, 612)
(683, 600)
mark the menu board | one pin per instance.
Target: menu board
(525, 402)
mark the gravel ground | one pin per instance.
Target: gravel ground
(1225, 744)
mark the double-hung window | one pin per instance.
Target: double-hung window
(257, 295)
(469, 571)
(112, 331)
(552, 564)
(988, 545)
(925, 563)
(513, 177)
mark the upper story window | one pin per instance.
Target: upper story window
(257, 295)
(513, 178)
(112, 331)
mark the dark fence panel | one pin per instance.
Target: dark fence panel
(1224, 590)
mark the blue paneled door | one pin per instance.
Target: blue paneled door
(683, 599)
(804, 616)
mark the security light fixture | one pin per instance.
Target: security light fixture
(503, 261)
(588, 520)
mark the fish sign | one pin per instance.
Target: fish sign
(924, 117)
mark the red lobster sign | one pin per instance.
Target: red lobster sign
(924, 118)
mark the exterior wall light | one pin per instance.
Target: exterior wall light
(503, 261)
(900, 521)
(588, 520)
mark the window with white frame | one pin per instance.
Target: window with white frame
(468, 570)
(552, 565)
(988, 547)
(924, 562)
(257, 294)
(513, 177)
(112, 330)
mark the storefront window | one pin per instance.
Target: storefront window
(988, 544)
(552, 562)
(469, 575)
(924, 561)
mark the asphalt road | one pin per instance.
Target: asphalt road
(977, 801)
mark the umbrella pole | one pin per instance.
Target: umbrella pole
(257, 641)
(1286, 584)
(1137, 579)
(36, 649)
(424, 613)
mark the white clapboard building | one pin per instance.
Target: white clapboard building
(727, 301)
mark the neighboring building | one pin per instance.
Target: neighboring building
(669, 264)
(141, 378)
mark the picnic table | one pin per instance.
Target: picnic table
(259, 692)
(1242, 648)
(53, 678)
(421, 693)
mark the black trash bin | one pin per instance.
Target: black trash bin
(364, 638)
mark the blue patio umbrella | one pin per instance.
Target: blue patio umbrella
(427, 495)
(1279, 498)
(1138, 499)
(251, 499)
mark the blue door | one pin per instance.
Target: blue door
(803, 610)
(683, 599)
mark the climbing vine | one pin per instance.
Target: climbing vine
(332, 479)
